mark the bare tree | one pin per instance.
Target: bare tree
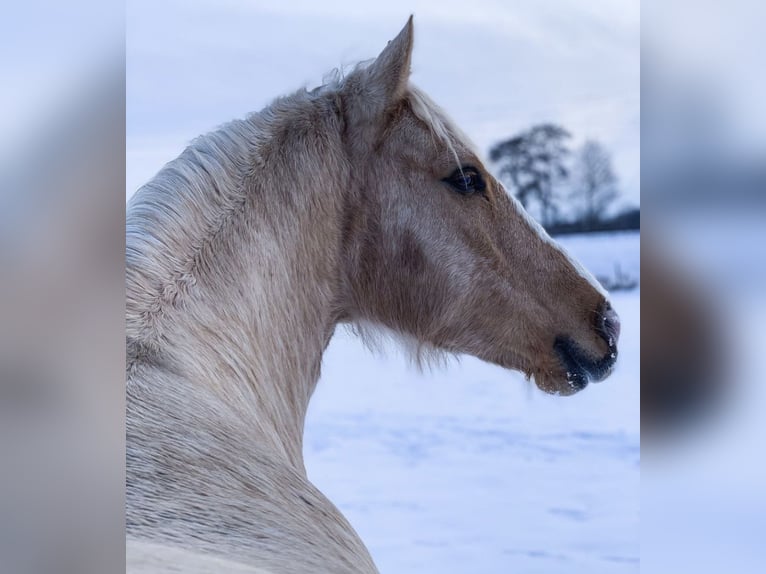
(532, 164)
(594, 182)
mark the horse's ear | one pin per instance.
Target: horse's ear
(385, 80)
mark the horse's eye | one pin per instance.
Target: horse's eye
(466, 180)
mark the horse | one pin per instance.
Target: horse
(356, 203)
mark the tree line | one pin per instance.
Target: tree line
(569, 191)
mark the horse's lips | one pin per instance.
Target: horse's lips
(580, 370)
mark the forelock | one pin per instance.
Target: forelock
(439, 124)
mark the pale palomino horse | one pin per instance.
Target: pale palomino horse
(358, 202)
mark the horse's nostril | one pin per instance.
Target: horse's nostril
(610, 325)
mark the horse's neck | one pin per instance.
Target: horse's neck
(258, 341)
(251, 308)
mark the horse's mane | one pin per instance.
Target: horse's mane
(192, 197)
(173, 218)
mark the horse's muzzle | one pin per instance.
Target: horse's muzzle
(580, 366)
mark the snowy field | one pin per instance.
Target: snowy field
(471, 469)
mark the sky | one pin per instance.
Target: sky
(497, 67)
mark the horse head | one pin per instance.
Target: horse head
(434, 247)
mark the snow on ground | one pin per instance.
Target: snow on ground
(469, 468)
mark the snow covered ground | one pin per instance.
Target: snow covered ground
(471, 469)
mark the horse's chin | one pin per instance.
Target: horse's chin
(552, 377)
(563, 384)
